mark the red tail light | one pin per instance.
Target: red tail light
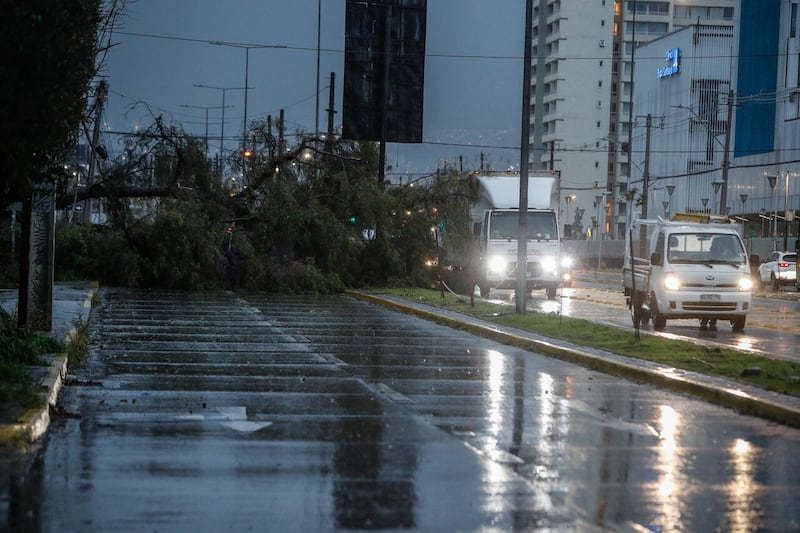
(784, 265)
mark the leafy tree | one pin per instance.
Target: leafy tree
(50, 51)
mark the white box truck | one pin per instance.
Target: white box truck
(495, 219)
(694, 266)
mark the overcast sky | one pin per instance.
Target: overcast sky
(473, 72)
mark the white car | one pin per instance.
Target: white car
(779, 268)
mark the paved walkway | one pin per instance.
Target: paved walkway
(72, 303)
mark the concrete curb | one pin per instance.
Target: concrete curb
(741, 397)
(34, 422)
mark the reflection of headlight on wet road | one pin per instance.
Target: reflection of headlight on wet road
(497, 264)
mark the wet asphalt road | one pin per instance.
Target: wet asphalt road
(218, 412)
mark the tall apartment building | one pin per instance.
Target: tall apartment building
(581, 91)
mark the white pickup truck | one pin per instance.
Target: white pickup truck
(695, 268)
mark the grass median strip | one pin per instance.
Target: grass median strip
(771, 374)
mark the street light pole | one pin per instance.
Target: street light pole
(222, 126)
(247, 48)
(716, 185)
(786, 211)
(773, 180)
(743, 198)
(568, 200)
(206, 108)
(601, 225)
(726, 158)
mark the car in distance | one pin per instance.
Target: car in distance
(779, 268)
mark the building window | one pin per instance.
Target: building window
(649, 8)
(793, 22)
(647, 28)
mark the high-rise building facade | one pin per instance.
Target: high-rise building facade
(582, 107)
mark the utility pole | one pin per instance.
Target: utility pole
(331, 111)
(102, 93)
(316, 91)
(522, 237)
(281, 132)
(723, 196)
(646, 173)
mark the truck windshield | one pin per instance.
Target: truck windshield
(505, 225)
(705, 248)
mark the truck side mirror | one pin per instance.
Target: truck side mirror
(656, 259)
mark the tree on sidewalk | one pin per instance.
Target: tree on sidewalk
(52, 52)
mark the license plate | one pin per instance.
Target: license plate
(709, 297)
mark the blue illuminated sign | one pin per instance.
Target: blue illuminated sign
(674, 59)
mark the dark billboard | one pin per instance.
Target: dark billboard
(384, 70)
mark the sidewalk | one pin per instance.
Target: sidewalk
(19, 430)
(72, 302)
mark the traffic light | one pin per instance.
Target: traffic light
(351, 219)
(229, 229)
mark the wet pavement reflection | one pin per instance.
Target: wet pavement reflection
(222, 412)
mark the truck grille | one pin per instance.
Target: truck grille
(709, 306)
(534, 270)
(707, 286)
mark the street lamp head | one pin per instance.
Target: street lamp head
(773, 179)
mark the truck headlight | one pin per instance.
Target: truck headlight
(549, 263)
(497, 264)
(566, 261)
(745, 284)
(671, 282)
